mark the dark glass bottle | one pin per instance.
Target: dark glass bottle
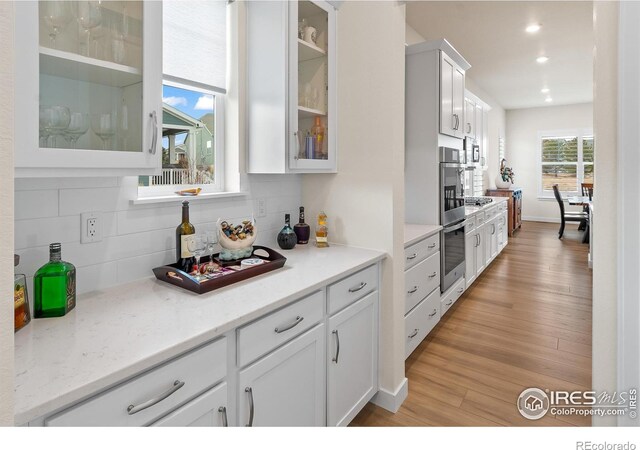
(287, 238)
(54, 286)
(185, 233)
(302, 230)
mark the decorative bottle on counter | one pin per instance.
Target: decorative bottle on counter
(22, 315)
(322, 231)
(302, 230)
(318, 136)
(185, 235)
(54, 286)
(287, 238)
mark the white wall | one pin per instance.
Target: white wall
(365, 199)
(605, 227)
(523, 126)
(6, 213)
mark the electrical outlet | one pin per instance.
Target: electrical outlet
(91, 227)
(261, 207)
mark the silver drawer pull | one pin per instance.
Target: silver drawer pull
(131, 409)
(432, 245)
(249, 391)
(335, 360)
(356, 289)
(449, 303)
(415, 288)
(432, 275)
(414, 334)
(414, 256)
(460, 291)
(435, 311)
(297, 320)
(223, 411)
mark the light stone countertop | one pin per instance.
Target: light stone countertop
(471, 210)
(415, 232)
(119, 332)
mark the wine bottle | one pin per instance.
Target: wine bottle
(287, 238)
(301, 229)
(54, 286)
(185, 233)
(322, 231)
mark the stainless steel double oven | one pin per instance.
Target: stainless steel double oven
(452, 216)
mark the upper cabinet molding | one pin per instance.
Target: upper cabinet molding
(440, 44)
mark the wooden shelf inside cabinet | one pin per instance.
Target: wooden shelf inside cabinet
(307, 51)
(306, 113)
(77, 67)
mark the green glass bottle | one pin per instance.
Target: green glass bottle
(54, 286)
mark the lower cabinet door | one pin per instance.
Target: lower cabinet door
(287, 386)
(481, 260)
(352, 349)
(470, 244)
(206, 410)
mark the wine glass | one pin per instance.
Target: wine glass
(104, 126)
(212, 240)
(56, 15)
(54, 121)
(199, 243)
(89, 16)
(78, 126)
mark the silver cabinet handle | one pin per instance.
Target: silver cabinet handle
(433, 275)
(249, 391)
(131, 409)
(415, 288)
(469, 125)
(296, 321)
(435, 311)
(154, 138)
(223, 411)
(412, 256)
(335, 360)
(477, 240)
(449, 303)
(356, 289)
(460, 291)
(295, 134)
(432, 245)
(414, 334)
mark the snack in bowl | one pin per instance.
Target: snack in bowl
(236, 240)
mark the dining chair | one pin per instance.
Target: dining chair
(567, 216)
(587, 190)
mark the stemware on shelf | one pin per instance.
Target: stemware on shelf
(54, 120)
(104, 126)
(78, 126)
(57, 15)
(89, 16)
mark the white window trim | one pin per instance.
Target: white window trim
(580, 133)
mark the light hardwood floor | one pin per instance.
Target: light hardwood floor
(525, 322)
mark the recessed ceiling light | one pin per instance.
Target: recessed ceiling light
(533, 28)
(544, 90)
(542, 59)
(548, 99)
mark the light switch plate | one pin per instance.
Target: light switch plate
(90, 227)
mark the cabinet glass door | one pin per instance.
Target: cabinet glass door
(90, 61)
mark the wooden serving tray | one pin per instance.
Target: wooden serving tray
(172, 275)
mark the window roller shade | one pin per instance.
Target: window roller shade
(194, 41)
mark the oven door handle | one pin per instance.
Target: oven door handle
(455, 227)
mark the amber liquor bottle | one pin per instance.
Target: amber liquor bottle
(302, 230)
(322, 231)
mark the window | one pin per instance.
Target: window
(566, 159)
(194, 70)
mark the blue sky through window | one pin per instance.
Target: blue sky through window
(195, 104)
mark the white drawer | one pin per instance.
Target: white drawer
(421, 250)
(420, 280)
(352, 288)
(450, 297)
(420, 321)
(207, 410)
(165, 387)
(471, 224)
(490, 213)
(480, 218)
(273, 330)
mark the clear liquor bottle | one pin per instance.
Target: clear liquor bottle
(54, 286)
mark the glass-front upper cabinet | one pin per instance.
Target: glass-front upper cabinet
(292, 87)
(88, 88)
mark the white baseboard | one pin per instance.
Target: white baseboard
(541, 219)
(391, 401)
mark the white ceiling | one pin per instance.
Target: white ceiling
(492, 37)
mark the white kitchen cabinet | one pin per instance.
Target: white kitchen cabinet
(352, 359)
(481, 249)
(470, 250)
(286, 387)
(207, 410)
(492, 239)
(90, 106)
(291, 84)
(470, 118)
(451, 97)
(503, 235)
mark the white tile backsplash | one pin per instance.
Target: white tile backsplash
(136, 238)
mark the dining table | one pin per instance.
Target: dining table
(582, 200)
